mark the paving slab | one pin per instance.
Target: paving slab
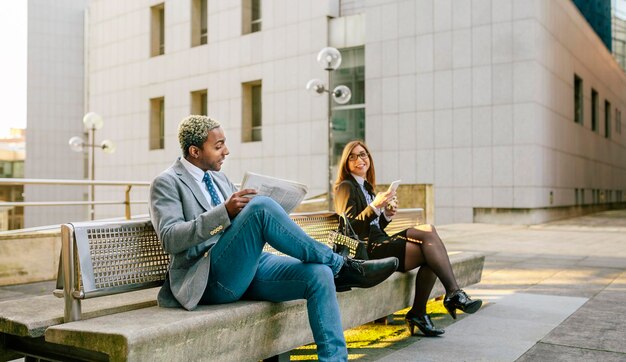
(580, 282)
(604, 262)
(556, 353)
(600, 324)
(503, 331)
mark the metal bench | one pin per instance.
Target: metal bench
(107, 258)
(104, 259)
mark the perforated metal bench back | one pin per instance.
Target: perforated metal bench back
(316, 225)
(123, 256)
(404, 219)
(117, 257)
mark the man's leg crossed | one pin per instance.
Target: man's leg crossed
(282, 278)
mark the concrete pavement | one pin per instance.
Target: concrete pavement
(554, 292)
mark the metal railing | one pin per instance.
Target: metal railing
(127, 201)
(25, 181)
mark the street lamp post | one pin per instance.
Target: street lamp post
(92, 122)
(329, 59)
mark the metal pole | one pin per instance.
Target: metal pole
(93, 172)
(127, 201)
(331, 207)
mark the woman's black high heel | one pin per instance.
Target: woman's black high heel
(424, 324)
(460, 300)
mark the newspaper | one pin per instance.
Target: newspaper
(288, 194)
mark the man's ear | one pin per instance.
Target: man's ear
(194, 151)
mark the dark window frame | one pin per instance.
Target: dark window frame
(578, 100)
(252, 111)
(595, 110)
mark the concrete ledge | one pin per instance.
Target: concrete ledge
(29, 257)
(540, 215)
(240, 331)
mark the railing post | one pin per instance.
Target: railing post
(72, 310)
(127, 201)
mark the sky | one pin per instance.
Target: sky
(13, 27)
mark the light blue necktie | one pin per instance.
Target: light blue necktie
(211, 187)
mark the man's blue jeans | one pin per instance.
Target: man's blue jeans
(240, 268)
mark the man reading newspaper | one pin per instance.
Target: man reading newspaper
(215, 237)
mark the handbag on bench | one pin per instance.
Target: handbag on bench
(346, 242)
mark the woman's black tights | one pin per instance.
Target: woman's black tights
(426, 250)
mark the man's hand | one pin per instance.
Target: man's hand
(237, 201)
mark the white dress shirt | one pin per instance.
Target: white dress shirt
(369, 199)
(198, 175)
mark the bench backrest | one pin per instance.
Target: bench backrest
(104, 258)
(316, 224)
(118, 257)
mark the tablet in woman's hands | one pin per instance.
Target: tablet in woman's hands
(394, 185)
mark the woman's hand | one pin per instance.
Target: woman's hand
(382, 198)
(391, 208)
(237, 201)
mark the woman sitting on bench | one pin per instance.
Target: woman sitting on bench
(420, 246)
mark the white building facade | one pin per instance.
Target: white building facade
(511, 109)
(55, 107)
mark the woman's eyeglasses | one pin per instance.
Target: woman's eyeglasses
(362, 155)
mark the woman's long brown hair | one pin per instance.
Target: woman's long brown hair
(343, 171)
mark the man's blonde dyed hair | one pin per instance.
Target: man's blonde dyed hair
(194, 130)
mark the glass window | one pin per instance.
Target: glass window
(607, 119)
(594, 110)
(204, 105)
(257, 112)
(199, 102)
(251, 16)
(199, 14)
(157, 123)
(18, 169)
(256, 16)
(157, 37)
(203, 22)
(5, 169)
(252, 111)
(578, 99)
(348, 120)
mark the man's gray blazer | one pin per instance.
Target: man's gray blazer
(187, 227)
